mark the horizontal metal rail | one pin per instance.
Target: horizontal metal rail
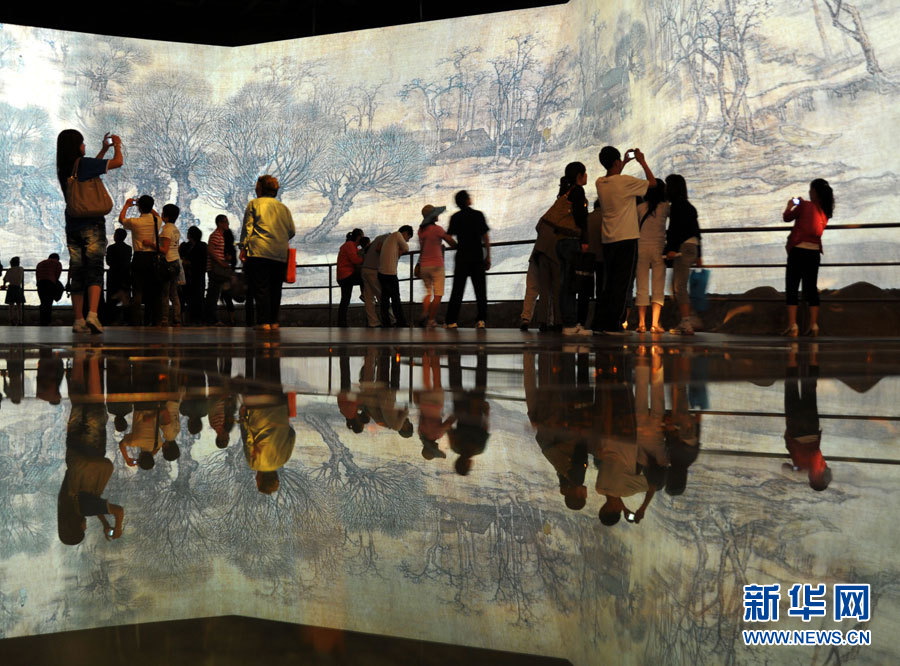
(331, 284)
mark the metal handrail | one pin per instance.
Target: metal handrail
(331, 285)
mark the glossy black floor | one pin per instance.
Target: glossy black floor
(599, 501)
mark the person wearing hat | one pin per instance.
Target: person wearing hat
(431, 261)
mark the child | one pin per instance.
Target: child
(14, 283)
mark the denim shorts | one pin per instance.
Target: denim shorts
(87, 250)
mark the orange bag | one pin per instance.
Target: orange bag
(291, 274)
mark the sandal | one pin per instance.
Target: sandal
(657, 329)
(791, 331)
(812, 331)
(640, 329)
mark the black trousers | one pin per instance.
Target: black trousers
(390, 300)
(46, 291)
(146, 289)
(265, 278)
(801, 409)
(618, 263)
(802, 265)
(347, 285)
(463, 271)
(211, 304)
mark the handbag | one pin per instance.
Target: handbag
(582, 272)
(290, 273)
(560, 217)
(161, 271)
(697, 285)
(87, 198)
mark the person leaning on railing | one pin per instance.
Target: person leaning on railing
(47, 274)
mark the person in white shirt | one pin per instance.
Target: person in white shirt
(169, 240)
(620, 233)
(389, 254)
(652, 216)
(143, 240)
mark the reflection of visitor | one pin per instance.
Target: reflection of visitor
(430, 399)
(145, 438)
(87, 468)
(50, 373)
(472, 412)
(379, 383)
(348, 400)
(14, 375)
(266, 431)
(563, 444)
(682, 427)
(802, 434)
(267, 436)
(620, 474)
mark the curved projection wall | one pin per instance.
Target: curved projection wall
(749, 100)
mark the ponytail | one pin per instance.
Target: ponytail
(567, 182)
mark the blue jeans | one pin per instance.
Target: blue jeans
(566, 249)
(87, 250)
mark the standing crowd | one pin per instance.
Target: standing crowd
(637, 229)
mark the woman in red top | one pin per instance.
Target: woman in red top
(348, 263)
(804, 246)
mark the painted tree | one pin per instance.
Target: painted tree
(107, 64)
(387, 498)
(387, 161)
(175, 125)
(432, 94)
(847, 18)
(464, 85)
(262, 129)
(507, 98)
(364, 100)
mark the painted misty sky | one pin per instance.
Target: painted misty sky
(364, 128)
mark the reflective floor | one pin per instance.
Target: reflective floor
(603, 502)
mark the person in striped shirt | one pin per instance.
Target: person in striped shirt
(217, 269)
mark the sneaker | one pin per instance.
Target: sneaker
(92, 322)
(523, 326)
(480, 324)
(684, 328)
(570, 330)
(583, 331)
(80, 327)
(450, 326)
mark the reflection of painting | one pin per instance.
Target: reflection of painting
(749, 100)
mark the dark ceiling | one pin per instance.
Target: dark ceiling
(234, 23)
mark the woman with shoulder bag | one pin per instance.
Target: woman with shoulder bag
(169, 238)
(568, 216)
(87, 202)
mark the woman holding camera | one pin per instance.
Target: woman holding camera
(85, 236)
(804, 247)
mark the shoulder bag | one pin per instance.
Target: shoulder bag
(87, 198)
(161, 269)
(560, 217)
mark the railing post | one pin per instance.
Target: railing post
(330, 297)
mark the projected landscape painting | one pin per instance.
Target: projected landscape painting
(749, 100)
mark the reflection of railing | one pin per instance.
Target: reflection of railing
(331, 285)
